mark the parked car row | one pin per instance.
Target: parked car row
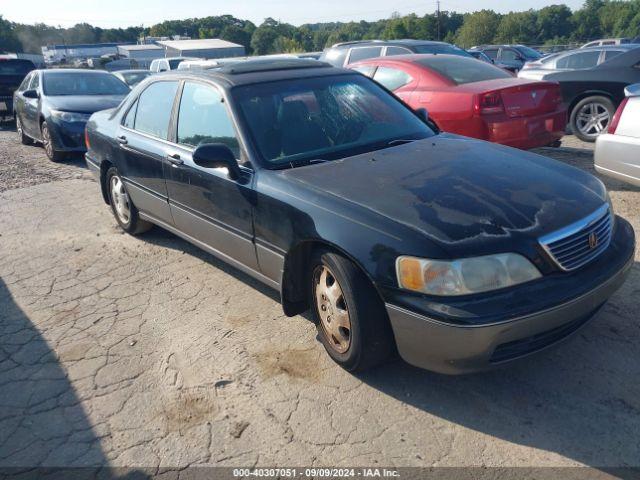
(459, 254)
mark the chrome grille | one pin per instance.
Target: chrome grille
(579, 243)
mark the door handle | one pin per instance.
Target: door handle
(122, 140)
(175, 160)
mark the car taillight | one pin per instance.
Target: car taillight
(86, 139)
(488, 103)
(616, 118)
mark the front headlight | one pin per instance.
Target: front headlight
(71, 116)
(464, 276)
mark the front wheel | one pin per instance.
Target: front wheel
(591, 117)
(350, 317)
(47, 142)
(122, 207)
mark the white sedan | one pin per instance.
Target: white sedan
(617, 152)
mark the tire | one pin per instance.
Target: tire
(47, 142)
(591, 117)
(123, 209)
(22, 137)
(370, 340)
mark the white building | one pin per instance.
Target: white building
(68, 53)
(141, 52)
(205, 48)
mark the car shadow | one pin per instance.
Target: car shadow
(578, 400)
(43, 426)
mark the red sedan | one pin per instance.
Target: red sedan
(473, 98)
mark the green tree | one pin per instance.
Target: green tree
(554, 21)
(478, 28)
(8, 40)
(517, 27)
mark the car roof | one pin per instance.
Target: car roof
(262, 71)
(134, 70)
(624, 46)
(407, 42)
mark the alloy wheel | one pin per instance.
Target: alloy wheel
(120, 200)
(19, 128)
(46, 141)
(593, 119)
(332, 309)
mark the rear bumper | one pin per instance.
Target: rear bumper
(440, 345)
(618, 156)
(527, 132)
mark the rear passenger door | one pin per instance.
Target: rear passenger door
(143, 144)
(206, 204)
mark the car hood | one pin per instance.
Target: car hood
(84, 103)
(458, 192)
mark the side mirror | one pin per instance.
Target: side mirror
(216, 155)
(423, 114)
(30, 94)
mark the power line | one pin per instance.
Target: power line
(438, 9)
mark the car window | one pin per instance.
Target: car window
(130, 118)
(509, 55)
(173, 64)
(154, 109)
(397, 51)
(25, 83)
(492, 53)
(335, 56)
(392, 78)
(365, 69)
(592, 44)
(324, 118)
(609, 54)
(15, 67)
(609, 42)
(363, 53)
(35, 82)
(580, 60)
(460, 70)
(203, 118)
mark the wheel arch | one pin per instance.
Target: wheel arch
(590, 93)
(293, 291)
(105, 165)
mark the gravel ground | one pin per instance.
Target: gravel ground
(146, 352)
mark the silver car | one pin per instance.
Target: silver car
(617, 152)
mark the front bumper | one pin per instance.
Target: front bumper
(67, 136)
(529, 131)
(448, 347)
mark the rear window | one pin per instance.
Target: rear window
(441, 48)
(578, 61)
(529, 53)
(15, 67)
(463, 70)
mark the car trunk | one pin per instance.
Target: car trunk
(520, 97)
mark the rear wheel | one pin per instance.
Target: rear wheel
(591, 117)
(122, 207)
(22, 137)
(49, 148)
(350, 317)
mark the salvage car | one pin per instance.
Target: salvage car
(132, 77)
(617, 152)
(318, 182)
(53, 106)
(12, 73)
(473, 98)
(592, 81)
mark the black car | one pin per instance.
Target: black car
(320, 183)
(53, 106)
(342, 54)
(592, 81)
(12, 73)
(509, 57)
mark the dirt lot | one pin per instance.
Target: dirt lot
(148, 352)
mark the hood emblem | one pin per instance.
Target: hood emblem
(593, 240)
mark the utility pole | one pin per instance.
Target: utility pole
(438, 22)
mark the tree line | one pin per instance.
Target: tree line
(551, 25)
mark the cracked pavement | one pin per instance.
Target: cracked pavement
(147, 352)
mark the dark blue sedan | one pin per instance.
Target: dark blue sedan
(459, 254)
(53, 107)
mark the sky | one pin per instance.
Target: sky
(124, 13)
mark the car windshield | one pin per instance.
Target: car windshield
(529, 53)
(80, 83)
(15, 67)
(296, 122)
(441, 48)
(462, 70)
(134, 78)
